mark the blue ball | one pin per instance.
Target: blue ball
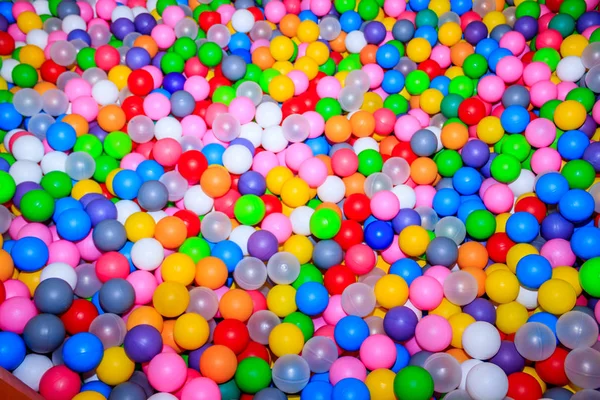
(228, 252)
(402, 358)
(29, 254)
(428, 33)
(312, 298)
(239, 41)
(82, 352)
(317, 390)
(576, 205)
(350, 21)
(126, 251)
(551, 187)
(572, 144)
(96, 303)
(322, 377)
(446, 202)
(150, 170)
(379, 235)
(441, 83)
(318, 145)
(350, 389)
(126, 184)
(467, 180)
(418, 5)
(533, 270)
(407, 269)
(12, 350)
(97, 386)
(61, 136)
(350, 332)
(393, 81)
(308, 15)
(73, 224)
(585, 242)
(9, 117)
(387, 56)
(514, 119)
(461, 6)
(486, 47)
(213, 153)
(66, 203)
(522, 227)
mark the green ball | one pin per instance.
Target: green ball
(6, 96)
(7, 187)
(57, 183)
(215, 4)
(369, 162)
(397, 103)
(344, 5)
(86, 58)
(105, 164)
(579, 173)
(595, 37)
(589, 276)
(426, 17)
(481, 224)
(162, 4)
(89, 144)
(547, 55)
(563, 23)
(229, 390)
(252, 375)
(475, 66)
(210, 54)
(53, 7)
(528, 8)
(549, 108)
(172, 62)
(302, 321)
(253, 73)
(325, 223)
(417, 82)
(37, 206)
(368, 9)
(314, 203)
(448, 162)
(185, 47)
(117, 144)
(515, 145)
(449, 105)
(584, 96)
(413, 383)
(223, 94)
(575, 8)
(505, 168)
(195, 247)
(462, 86)
(350, 63)
(308, 273)
(328, 68)
(249, 209)
(266, 77)
(24, 75)
(328, 107)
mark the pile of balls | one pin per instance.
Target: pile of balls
(300, 199)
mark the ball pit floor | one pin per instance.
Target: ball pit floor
(299, 199)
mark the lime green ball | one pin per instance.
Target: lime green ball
(253, 73)
(549, 108)
(89, 144)
(481, 224)
(266, 77)
(368, 9)
(417, 82)
(584, 96)
(185, 47)
(595, 37)
(85, 58)
(462, 86)
(302, 321)
(195, 247)
(589, 276)
(344, 5)
(528, 8)
(505, 168)
(105, 164)
(162, 4)
(515, 145)
(328, 68)
(413, 383)
(57, 183)
(210, 54)
(547, 55)
(328, 107)
(7, 187)
(448, 162)
(37, 206)
(224, 94)
(249, 209)
(325, 223)
(25, 76)
(369, 162)
(117, 144)
(314, 203)
(579, 173)
(252, 375)
(308, 273)
(172, 62)
(475, 66)
(397, 103)
(350, 63)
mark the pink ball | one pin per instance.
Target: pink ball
(193, 125)
(166, 152)
(513, 41)
(344, 162)
(296, 155)
(131, 161)
(329, 87)
(20, 7)
(378, 351)
(426, 293)
(424, 194)
(347, 367)
(264, 162)
(440, 54)
(201, 389)
(87, 248)
(259, 301)
(16, 288)
(316, 122)
(156, 73)
(545, 159)
(393, 253)
(510, 69)
(393, 8)
(167, 372)
(15, 313)
(275, 11)
(104, 8)
(596, 112)
(64, 251)
(535, 72)
(405, 127)
(433, 333)
(85, 11)
(421, 116)
(279, 225)
(375, 73)
(191, 374)
(156, 105)
(77, 87)
(485, 185)
(540, 132)
(243, 109)
(490, 88)
(334, 311)
(320, 7)
(564, 88)
(360, 258)
(86, 107)
(37, 230)
(498, 198)
(542, 92)
(313, 171)
(412, 346)
(385, 205)
(226, 11)
(163, 35)
(300, 81)
(172, 15)
(197, 86)
(558, 252)
(15, 226)
(144, 284)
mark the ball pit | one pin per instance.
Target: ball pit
(300, 199)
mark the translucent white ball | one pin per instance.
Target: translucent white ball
(197, 201)
(105, 92)
(242, 21)
(237, 159)
(168, 127)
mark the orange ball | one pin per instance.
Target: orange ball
(43, 87)
(386, 146)
(170, 232)
(354, 183)
(168, 337)
(211, 272)
(459, 52)
(6, 266)
(218, 363)
(480, 276)
(146, 43)
(368, 55)
(236, 304)
(215, 181)
(472, 254)
(423, 171)
(454, 136)
(263, 58)
(362, 123)
(289, 25)
(145, 315)
(111, 118)
(338, 129)
(459, 354)
(78, 123)
(339, 43)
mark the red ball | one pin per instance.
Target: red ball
(140, 82)
(310, 98)
(201, 108)
(338, 278)
(272, 204)
(534, 206)
(255, 349)
(552, 369)
(50, 71)
(132, 107)
(350, 233)
(548, 38)
(357, 207)
(2, 292)
(431, 68)
(191, 165)
(293, 106)
(554, 5)
(216, 83)
(7, 44)
(208, 19)
(258, 15)
(79, 316)
(226, 203)
(233, 334)
(498, 245)
(467, 18)
(385, 119)
(403, 150)
(112, 265)
(522, 386)
(59, 383)
(471, 111)
(191, 221)
(193, 67)
(107, 57)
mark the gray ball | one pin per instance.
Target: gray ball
(109, 235)
(127, 391)
(444, 183)
(243, 4)
(403, 30)
(53, 296)
(116, 296)
(182, 104)
(140, 379)
(66, 8)
(44, 333)
(423, 143)
(233, 67)
(327, 253)
(270, 393)
(558, 393)
(87, 281)
(418, 359)
(516, 95)
(442, 251)
(499, 31)
(153, 196)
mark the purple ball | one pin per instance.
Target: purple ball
(97, 131)
(405, 217)
(555, 226)
(508, 358)
(142, 343)
(157, 59)
(475, 153)
(588, 19)
(262, 245)
(589, 127)
(526, 26)
(252, 182)
(374, 32)
(81, 35)
(144, 23)
(244, 142)
(89, 197)
(475, 32)
(486, 169)
(137, 57)
(399, 323)
(195, 355)
(122, 27)
(481, 310)
(3, 23)
(22, 189)
(100, 210)
(592, 155)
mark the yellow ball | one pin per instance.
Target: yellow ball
(517, 252)
(318, 51)
(89, 395)
(490, 130)
(191, 331)
(28, 21)
(372, 102)
(501, 222)
(118, 75)
(446, 309)
(308, 31)
(381, 384)
(277, 177)
(139, 225)
(458, 323)
(178, 267)
(418, 49)
(431, 100)
(281, 88)
(283, 67)
(286, 338)
(439, 7)
(308, 66)
(170, 299)
(557, 296)
(282, 48)
(502, 286)
(115, 367)
(569, 115)
(391, 291)
(32, 55)
(495, 267)
(300, 246)
(511, 316)
(569, 275)
(295, 192)
(31, 280)
(84, 187)
(449, 34)
(493, 19)
(531, 371)
(281, 300)
(413, 240)
(573, 45)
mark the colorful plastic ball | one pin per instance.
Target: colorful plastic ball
(533, 270)
(167, 372)
(486, 380)
(142, 343)
(413, 382)
(59, 382)
(13, 350)
(253, 374)
(82, 352)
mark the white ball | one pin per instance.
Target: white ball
(465, 367)
(157, 215)
(147, 254)
(124, 210)
(528, 298)
(267, 114)
(273, 139)
(7, 68)
(151, 5)
(31, 370)
(332, 190)
(523, 184)
(38, 38)
(28, 148)
(197, 201)
(62, 271)
(41, 7)
(105, 92)
(365, 143)
(54, 161)
(240, 236)
(487, 381)
(406, 195)
(355, 41)
(121, 12)
(9, 135)
(72, 22)
(162, 396)
(570, 69)
(237, 159)
(481, 340)
(252, 132)
(168, 127)
(242, 21)
(300, 219)
(25, 171)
